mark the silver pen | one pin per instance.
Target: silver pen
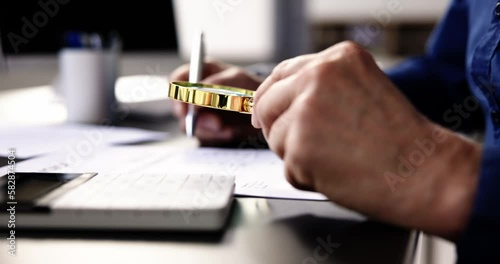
(195, 75)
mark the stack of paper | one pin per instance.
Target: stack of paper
(257, 172)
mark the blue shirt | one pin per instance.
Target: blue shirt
(457, 84)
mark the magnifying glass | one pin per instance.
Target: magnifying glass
(214, 96)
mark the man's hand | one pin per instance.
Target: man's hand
(215, 127)
(343, 129)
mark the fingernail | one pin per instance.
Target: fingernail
(210, 123)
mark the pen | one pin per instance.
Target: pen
(195, 74)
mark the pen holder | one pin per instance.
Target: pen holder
(86, 80)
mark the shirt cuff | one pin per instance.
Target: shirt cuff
(479, 241)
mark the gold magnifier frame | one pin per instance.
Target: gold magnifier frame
(214, 96)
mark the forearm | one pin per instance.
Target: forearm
(434, 185)
(455, 171)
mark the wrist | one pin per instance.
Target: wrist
(455, 173)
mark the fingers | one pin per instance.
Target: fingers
(276, 101)
(281, 134)
(182, 74)
(209, 121)
(220, 128)
(216, 73)
(234, 76)
(287, 69)
(210, 128)
(210, 67)
(294, 181)
(282, 71)
(277, 134)
(180, 109)
(213, 127)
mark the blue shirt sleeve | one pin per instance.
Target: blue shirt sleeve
(480, 241)
(436, 81)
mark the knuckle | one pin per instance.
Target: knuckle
(288, 65)
(266, 114)
(297, 157)
(228, 76)
(238, 72)
(299, 152)
(214, 64)
(351, 48)
(297, 162)
(178, 108)
(179, 72)
(260, 111)
(317, 74)
(281, 68)
(290, 177)
(295, 179)
(231, 74)
(354, 52)
(300, 157)
(303, 107)
(213, 61)
(325, 69)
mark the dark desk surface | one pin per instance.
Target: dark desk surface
(259, 231)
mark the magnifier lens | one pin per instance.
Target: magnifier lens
(214, 96)
(220, 91)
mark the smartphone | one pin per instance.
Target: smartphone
(26, 189)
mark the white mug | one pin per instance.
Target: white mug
(86, 84)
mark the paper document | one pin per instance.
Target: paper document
(258, 172)
(30, 141)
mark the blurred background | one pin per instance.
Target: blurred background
(155, 39)
(391, 27)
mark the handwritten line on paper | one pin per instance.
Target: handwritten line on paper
(258, 173)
